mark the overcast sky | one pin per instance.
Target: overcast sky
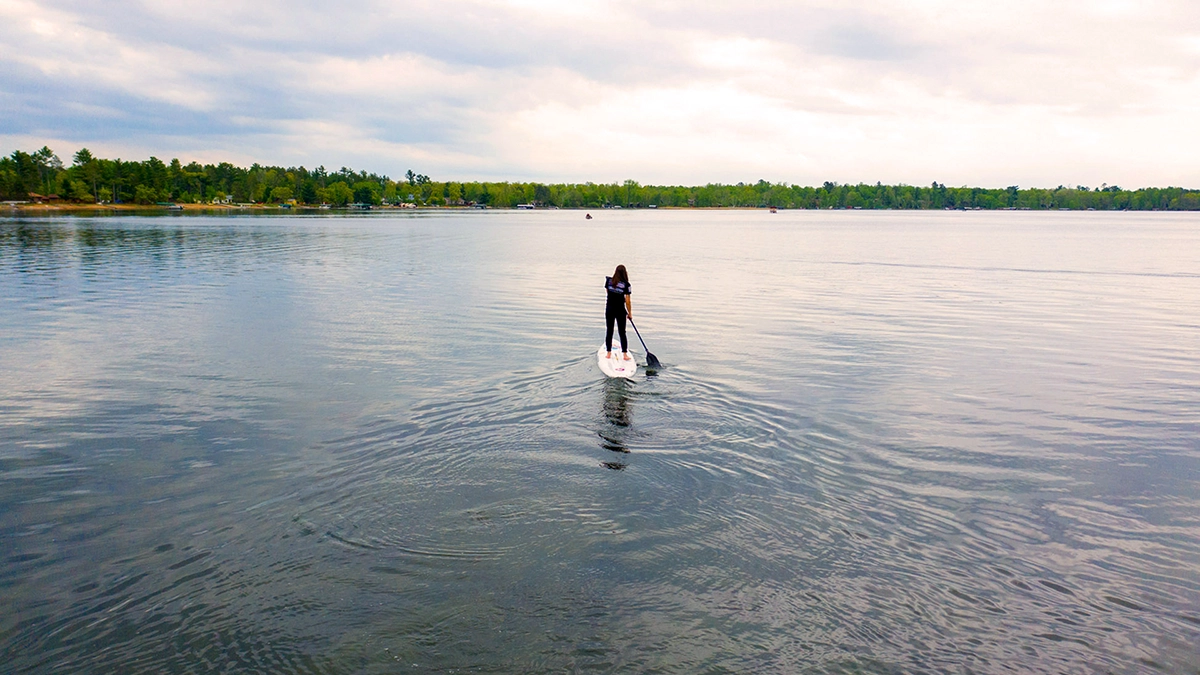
(990, 93)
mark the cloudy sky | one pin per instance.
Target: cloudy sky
(989, 93)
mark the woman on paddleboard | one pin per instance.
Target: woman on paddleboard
(617, 309)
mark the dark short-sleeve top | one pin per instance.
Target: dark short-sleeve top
(616, 294)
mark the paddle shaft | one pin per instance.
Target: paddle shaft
(651, 360)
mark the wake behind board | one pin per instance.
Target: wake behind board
(616, 366)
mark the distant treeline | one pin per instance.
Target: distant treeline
(42, 175)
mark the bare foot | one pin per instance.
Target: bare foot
(626, 355)
(609, 355)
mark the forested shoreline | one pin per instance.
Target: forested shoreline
(43, 176)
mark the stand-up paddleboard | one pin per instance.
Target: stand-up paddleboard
(616, 366)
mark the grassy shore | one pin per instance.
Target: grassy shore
(75, 207)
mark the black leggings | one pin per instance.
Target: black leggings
(611, 316)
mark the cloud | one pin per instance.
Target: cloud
(660, 91)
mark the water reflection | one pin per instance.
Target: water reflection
(618, 418)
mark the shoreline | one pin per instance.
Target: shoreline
(158, 208)
(74, 208)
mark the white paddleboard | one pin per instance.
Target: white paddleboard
(616, 366)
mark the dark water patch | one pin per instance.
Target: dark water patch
(1058, 588)
(189, 561)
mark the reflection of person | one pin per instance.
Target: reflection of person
(618, 307)
(618, 417)
(616, 408)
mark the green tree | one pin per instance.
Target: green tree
(144, 194)
(81, 193)
(338, 194)
(26, 175)
(48, 164)
(308, 192)
(366, 192)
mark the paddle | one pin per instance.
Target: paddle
(651, 360)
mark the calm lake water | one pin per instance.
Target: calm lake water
(881, 443)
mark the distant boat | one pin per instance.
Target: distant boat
(588, 216)
(774, 210)
(174, 207)
(525, 206)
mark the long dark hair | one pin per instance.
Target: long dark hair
(620, 275)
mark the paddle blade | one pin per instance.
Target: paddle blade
(651, 360)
